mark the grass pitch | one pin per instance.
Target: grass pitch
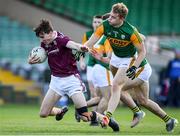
(24, 120)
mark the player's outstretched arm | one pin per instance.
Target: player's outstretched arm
(93, 39)
(76, 46)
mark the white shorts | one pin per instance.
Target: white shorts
(125, 62)
(89, 73)
(101, 76)
(67, 85)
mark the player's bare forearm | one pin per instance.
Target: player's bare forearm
(139, 59)
(141, 55)
(93, 39)
(76, 46)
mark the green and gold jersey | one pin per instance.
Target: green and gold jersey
(122, 39)
(91, 62)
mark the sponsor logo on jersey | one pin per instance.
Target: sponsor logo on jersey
(117, 42)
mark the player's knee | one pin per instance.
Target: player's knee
(115, 86)
(143, 101)
(43, 114)
(125, 87)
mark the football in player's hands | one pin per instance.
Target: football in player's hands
(37, 55)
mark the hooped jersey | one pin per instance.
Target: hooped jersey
(122, 39)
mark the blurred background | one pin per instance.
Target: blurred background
(20, 82)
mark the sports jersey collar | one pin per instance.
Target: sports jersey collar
(53, 39)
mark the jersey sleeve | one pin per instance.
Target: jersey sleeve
(99, 31)
(84, 38)
(136, 38)
(62, 40)
(107, 46)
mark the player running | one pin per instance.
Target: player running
(103, 84)
(128, 58)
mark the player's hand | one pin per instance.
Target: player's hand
(79, 54)
(96, 55)
(33, 59)
(131, 72)
(84, 49)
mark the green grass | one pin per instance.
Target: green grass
(24, 120)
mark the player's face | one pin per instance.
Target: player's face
(96, 22)
(114, 19)
(46, 38)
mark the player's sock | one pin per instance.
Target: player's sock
(109, 114)
(93, 116)
(166, 118)
(135, 109)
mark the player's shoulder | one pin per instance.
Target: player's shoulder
(60, 35)
(105, 23)
(61, 39)
(128, 28)
(90, 32)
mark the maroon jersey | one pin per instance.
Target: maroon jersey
(60, 58)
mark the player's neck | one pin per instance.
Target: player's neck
(119, 25)
(54, 35)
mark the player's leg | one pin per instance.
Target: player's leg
(143, 97)
(55, 92)
(90, 83)
(102, 82)
(138, 114)
(105, 95)
(95, 100)
(81, 107)
(125, 96)
(92, 89)
(115, 91)
(127, 99)
(47, 106)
